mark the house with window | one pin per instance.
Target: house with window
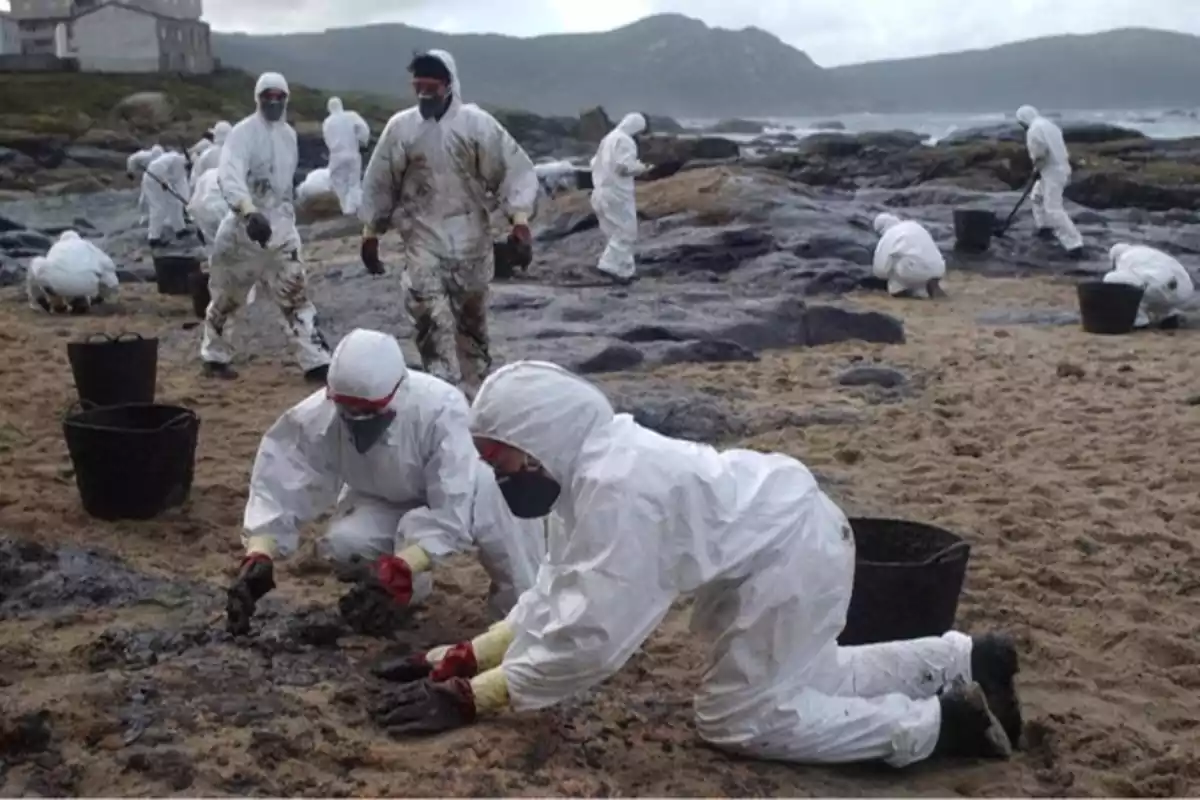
(10, 35)
(118, 35)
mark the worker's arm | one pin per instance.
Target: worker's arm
(382, 180)
(507, 170)
(233, 169)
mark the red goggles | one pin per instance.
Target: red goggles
(361, 406)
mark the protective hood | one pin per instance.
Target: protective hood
(885, 221)
(542, 409)
(1026, 115)
(451, 67)
(156, 151)
(271, 80)
(1117, 251)
(221, 132)
(632, 124)
(367, 365)
(334, 106)
(68, 236)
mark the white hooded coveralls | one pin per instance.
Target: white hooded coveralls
(422, 484)
(135, 165)
(345, 134)
(211, 157)
(906, 256)
(444, 176)
(74, 272)
(613, 197)
(769, 558)
(257, 165)
(1052, 162)
(1168, 286)
(166, 218)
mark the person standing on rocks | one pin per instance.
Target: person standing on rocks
(614, 199)
(165, 185)
(907, 258)
(392, 448)
(257, 240)
(1052, 164)
(770, 560)
(440, 167)
(135, 167)
(72, 276)
(1167, 284)
(346, 133)
(211, 157)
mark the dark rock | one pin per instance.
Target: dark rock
(829, 125)
(872, 376)
(830, 325)
(678, 411)
(737, 126)
(718, 250)
(666, 149)
(1073, 133)
(659, 124)
(594, 124)
(7, 225)
(24, 243)
(615, 357)
(172, 767)
(24, 736)
(708, 351)
(97, 158)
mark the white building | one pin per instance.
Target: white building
(119, 35)
(10, 35)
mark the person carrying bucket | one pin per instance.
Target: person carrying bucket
(1052, 164)
(769, 558)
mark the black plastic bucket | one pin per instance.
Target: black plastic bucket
(973, 229)
(510, 256)
(111, 371)
(173, 273)
(132, 461)
(907, 580)
(1109, 308)
(198, 288)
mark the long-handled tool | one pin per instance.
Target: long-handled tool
(1002, 229)
(186, 216)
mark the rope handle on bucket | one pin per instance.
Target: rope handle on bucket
(949, 553)
(182, 418)
(118, 338)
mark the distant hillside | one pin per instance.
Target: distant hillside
(672, 64)
(668, 64)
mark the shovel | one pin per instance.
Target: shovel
(186, 216)
(1002, 229)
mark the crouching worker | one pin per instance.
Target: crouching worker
(393, 450)
(907, 258)
(769, 559)
(73, 276)
(1168, 286)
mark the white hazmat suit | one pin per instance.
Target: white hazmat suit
(1168, 286)
(73, 274)
(614, 167)
(257, 166)
(768, 556)
(906, 256)
(165, 182)
(211, 157)
(346, 133)
(421, 483)
(443, 176)
(135, 166)
(1052, 163)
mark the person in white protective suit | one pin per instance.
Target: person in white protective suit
(443, 166)
(346, 133)
(392, 448)
(769, 559)
(211, 157)
(257, 241)
(165, 185)
(205, 142)
(1052, 165)
(72, 276)
(1168, 286)
(135, 166)
(907, 258)
(614, 167)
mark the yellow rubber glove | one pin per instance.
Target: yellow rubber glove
(261, 545)
(489, 647)
(491, 691)
(520, 218)
(417, 559)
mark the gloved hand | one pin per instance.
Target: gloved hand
(425, 707)
(521, 234)
(258, 228)
(378, 603)
(369, 251)
(255, 579)
(458, 662)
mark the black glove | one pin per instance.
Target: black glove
(426, 707)
(369, 251)
(258, 228)
(407, 669)
(378, 602)
(256, 578)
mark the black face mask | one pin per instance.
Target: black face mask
(432, 107)
(366, 432)
(529, 493)
(272, 110)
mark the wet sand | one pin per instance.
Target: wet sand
(1066, 459)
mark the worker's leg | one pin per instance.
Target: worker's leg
(365, 527)
(618, 221)
(1037, 201)
(1056, 216)
(287, 279)
(233, 270)
(467, 291)
(433, 320)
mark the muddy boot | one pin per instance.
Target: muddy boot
(1077, 254)
(994, 665)
(613, 279)
(1171, 323)
(934, 289)
(969, 729)
(213, 369)
(317, 375)
(1046, 234)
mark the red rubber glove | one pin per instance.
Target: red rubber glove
(395, 576)
(459, 662)
(522, 234)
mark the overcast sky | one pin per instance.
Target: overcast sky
(831, 31)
